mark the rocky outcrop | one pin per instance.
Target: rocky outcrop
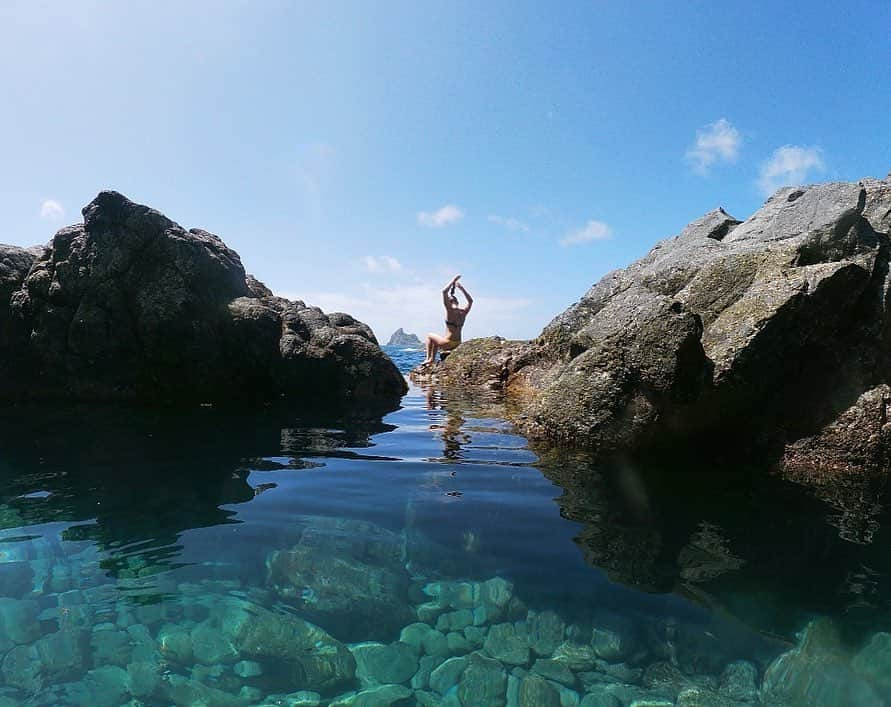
(129, 306)
(401, 338)
(773, 330)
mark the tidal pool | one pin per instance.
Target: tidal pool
(223, 557)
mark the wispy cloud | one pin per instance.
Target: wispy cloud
(511, 224)
(716, 142)
(592, 231)
(381, 263)
(789, 165)
(441, 217)
(51, 210)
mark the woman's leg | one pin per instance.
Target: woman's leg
(434, 341)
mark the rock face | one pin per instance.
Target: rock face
(129, 306)
(400, 338)
(773, 330)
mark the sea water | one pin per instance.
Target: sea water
(225, 557)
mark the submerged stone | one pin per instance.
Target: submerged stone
(380, 664)
(546, 631)
(503, 643)
(18, 620)
(421, 679)
(61, 654)
(446, 676)
(577, 657)
(427, 699)
(350, 575)
(817, 672)
(455, 620)
(535, 691)
(738, 681)
(317, 661)
(614, 639)
(425, 639)
(107, 685)
(21, 668)
(701, 697)
(175, 643)
(475, 635)
(380, 696)
(600, 699)
(874, 659)
(457, 644)
(484, 682)
(143, 678)
(111, 647)
(210, 646)
(189, 693)
(556, 670)
(429, 611)
(247, 669)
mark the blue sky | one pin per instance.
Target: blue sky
(357, 154)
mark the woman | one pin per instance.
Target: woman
(454, 321)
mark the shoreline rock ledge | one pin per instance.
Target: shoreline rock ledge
(128, 306)
(771, 333)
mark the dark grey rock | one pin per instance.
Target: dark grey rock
(401, 338)
(130, 306)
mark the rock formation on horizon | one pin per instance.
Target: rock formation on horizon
(401, 338)
(130, 306)
(772, 331)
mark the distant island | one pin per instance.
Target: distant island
(400, 338)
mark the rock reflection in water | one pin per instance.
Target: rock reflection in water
(734, 537)
(132, 480)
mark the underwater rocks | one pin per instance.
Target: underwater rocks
(820, 671)
(349, 575)
(316, 660)
(129, 306)
(769, 329)
(222, 644)
(217, 640)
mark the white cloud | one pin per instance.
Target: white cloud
(511, 224)
(51, 210)
(441, 217)
(789, 165)
(381, 263)
(417, 308)
(716, 142)
(593, 231)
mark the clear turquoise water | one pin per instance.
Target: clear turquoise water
(226, 557)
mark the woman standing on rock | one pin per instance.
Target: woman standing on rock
(454, 321)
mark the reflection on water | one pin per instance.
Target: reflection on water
(224, 557)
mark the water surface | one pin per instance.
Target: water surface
(143, 553)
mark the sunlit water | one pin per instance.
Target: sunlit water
(218, 557)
